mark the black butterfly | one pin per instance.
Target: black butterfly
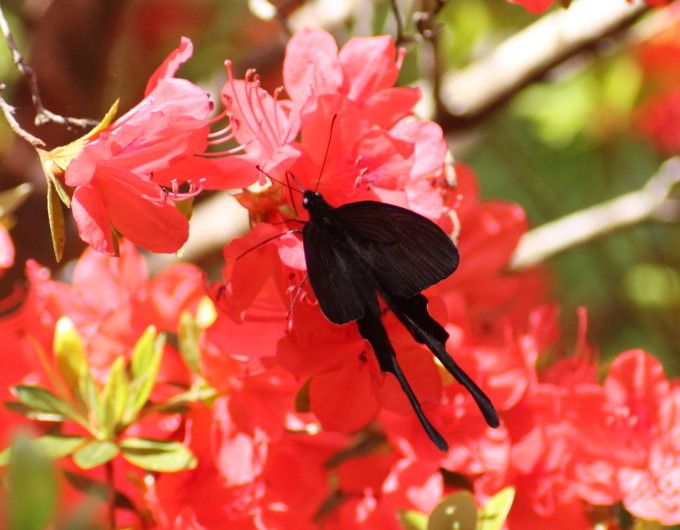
(360, 250)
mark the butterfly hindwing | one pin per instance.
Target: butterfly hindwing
(405, 251)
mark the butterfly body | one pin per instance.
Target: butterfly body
(362, 250)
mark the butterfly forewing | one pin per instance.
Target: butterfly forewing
(335, 283)
(406, 252)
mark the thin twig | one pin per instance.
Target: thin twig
(654, 202)
(43, 115)
(401, 38)
(8, 110)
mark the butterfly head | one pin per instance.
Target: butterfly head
(311, 198)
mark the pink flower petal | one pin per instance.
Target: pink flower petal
(369, 66)
(94, 225)
(171, 64)
(311, 65)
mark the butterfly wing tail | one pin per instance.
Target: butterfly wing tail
(414, 315)
(372, 329)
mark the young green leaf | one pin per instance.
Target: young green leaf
(158, 455)
(114, 398)
(146, 359)
(55, 214)
(495, 511)
(12, 198)
(31, 487)
(189, 333)
(95, 453)
(144, 355)
(43, 401)
(413, 520)
(73, 367)
(59, 446)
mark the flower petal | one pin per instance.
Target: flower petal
(92, 221)
(171, 64)
(153, 224)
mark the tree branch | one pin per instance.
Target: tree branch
(43, 115)
(654, 202)
(472, 93)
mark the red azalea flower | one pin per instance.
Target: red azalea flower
(658, 119)
(538, 6)
(626, 442)
(111, 302)
(244, 479)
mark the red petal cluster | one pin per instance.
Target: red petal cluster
(307, 431)
(659, 113)
(538, 6)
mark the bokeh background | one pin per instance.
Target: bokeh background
(592, 121)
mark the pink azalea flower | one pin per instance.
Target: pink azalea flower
(118, 175)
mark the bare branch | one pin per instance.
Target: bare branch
(43, 115)
(8, 110)
(654, 202)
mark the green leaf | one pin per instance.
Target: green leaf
(42, 400)
(32, 487)
(185, 207)
(73, 368)
(59, 446)
(55, 214)
(98, 490)
(11, 199)
(158, 455)
(457, 510)
(145, 353)
(179, 402)
(51, 446)
(24, 410)
(302, 400)
(95, 453)
(189, 333)
(146, 359)
(641, 524)
(494, 513)
(114, 398)
(413, 520)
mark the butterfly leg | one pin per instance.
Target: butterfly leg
(372, 329)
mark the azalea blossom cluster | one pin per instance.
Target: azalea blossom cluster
(287, 418)
(539, 6)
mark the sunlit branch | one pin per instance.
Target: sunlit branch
(43, 115)
(531, 53)
(655, 202)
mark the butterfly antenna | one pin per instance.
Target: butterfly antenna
(285, 184)
(267, 241)
(290, 175)
(328, 148)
